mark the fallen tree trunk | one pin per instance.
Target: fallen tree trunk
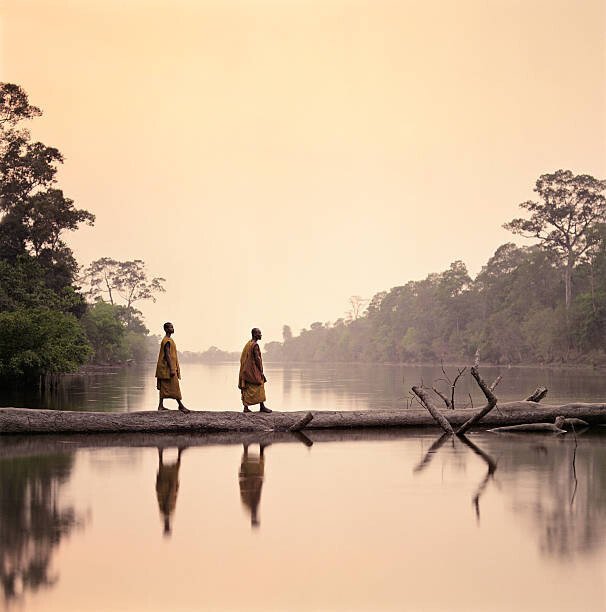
(23, 420)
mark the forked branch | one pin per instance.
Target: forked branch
(491, 403)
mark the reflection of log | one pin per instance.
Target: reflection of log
(435, 413)
(538, 395)
(18, 420)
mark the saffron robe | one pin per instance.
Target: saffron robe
(168, 385)
(251, 378)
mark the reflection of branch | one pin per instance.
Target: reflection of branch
(431, 451)
(302, 438)
(574, 466)
(492, 468)
(490, 462)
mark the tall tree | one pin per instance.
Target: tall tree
(33, 214)
(121, 279)
(25, 166)
(569, 206)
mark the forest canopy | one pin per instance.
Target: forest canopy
(543, 303)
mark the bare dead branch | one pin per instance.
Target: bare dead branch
(454, 384)
(476, 361)
(538, 395)
(435, 413)
(416, 399)
(302, 423)
(496, 381)
(444, 398)
(492, 402)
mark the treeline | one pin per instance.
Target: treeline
(49, 324)
(210, 355)
(544, 303)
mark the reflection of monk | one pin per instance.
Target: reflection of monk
(167, 486)
(251, 481)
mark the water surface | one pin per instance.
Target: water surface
(365, 520)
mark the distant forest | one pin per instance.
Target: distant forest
(544, 303)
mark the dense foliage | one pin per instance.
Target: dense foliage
(537, 304)
(46, 325)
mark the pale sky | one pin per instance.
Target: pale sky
(272, 158)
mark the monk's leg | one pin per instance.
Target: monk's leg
(182, 408)
(161, 401)
(246, 408)
(264, 408)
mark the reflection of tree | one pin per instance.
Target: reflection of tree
(567, 509)
(32, 520)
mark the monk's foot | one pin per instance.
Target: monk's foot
(246, 409)
(264, 409)
(162, 408)
(182, 408)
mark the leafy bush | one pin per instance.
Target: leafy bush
(39, 341)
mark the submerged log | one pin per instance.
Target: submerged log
(23, 420)
(531, 427)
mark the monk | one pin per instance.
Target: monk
(251, 380)
(168, 372)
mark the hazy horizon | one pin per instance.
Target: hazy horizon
(271, 159)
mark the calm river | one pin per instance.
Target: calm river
(327, 521)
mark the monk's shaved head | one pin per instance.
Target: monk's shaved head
(255, 332)
(168, 325)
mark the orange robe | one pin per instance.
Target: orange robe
(168, 385)
(251, 378)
